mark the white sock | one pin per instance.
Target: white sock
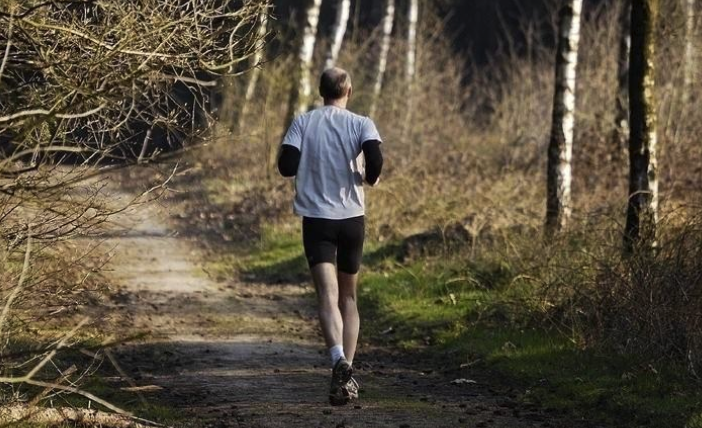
(337, 352)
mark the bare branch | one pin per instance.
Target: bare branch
(20, 283)
(44, 112)
(7, 47)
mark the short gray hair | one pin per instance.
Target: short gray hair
(334, 83)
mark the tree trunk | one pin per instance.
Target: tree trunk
(343, 10)
(411, 64)
(302, 90)
(256, 71)
(621, 117)
(690, 51)
(642, 209)
(560, 150)
(388, 21)
(412, 18)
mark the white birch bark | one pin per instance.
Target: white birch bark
(560, 151)
(302, 91)
(690, 51)
(256, 71)
(621, 116)
(343, 10)
(642, 209)
(412, 18)
(388, 22)
(411, 71)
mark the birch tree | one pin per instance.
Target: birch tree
(343, 10)
(302, 89)
(621, 116)
(560, 150)
(262, 32)
(690, 60)
(388, 22)
(642, 209)
(411, 63)
(412, 19)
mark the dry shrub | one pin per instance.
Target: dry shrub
(65, 277)
(647, 303)
(656, 297)
(47, 291)
(87, 87)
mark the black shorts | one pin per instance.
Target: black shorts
(334, 241)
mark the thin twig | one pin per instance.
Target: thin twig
(20, 283)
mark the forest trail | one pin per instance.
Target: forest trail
(247, 354)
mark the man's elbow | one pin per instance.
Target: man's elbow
(373, 170)
(288, 161)
(286, 170)
(374, 161)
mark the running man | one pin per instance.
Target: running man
(321, 150)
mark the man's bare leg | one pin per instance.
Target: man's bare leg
(325, 282)
(349, 312)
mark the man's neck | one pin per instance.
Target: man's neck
(340, 103)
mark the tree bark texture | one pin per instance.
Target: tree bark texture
(412, 19)
(642, 209)
(256, 71)
(621, 116)
(560, 150)
(302, 89)
(411, 65)
(690, 51)
(343, 10)
(388, 22)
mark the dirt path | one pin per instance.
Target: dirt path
(249, 355)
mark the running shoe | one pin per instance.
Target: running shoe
(341, 375)
(352, 389)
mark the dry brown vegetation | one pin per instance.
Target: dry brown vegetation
(87, 87)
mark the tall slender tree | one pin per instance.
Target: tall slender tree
(621, 115)
(642, 209)
(343, 10)
(412, 19)
(256, 71)
(302, 89)
(560, 149)
(411, 63)
(690, 51)
(388, 22)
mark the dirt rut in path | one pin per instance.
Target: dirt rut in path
(249, 355)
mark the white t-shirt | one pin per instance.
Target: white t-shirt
(329, 180)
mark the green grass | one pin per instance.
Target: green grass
(277, 257)
(481, 312)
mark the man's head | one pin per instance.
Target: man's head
(335, 85)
